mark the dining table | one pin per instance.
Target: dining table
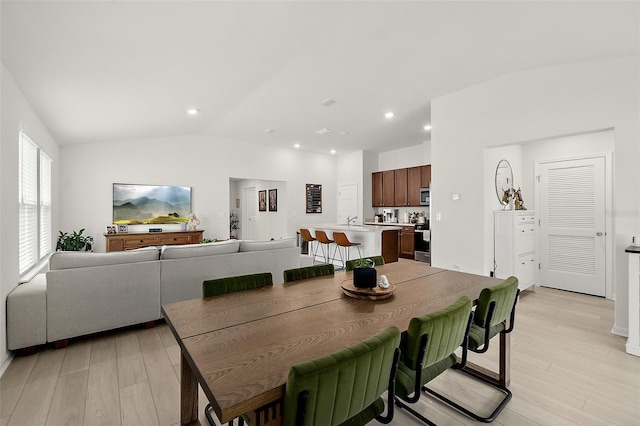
(240, 346)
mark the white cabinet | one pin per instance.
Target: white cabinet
(514, 246)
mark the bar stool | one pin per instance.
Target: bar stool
(306, 236)
(322, 238)
(343, 241)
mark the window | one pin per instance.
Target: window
(34, 200)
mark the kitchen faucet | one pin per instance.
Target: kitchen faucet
(351, 219)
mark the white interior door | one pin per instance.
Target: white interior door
(347, 201)
(572, 225)
(251, 209)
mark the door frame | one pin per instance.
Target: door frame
(608, 201)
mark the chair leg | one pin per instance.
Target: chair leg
(491, 417)
(324, 256)
(207, 414)
(340, 253)
(413, 412)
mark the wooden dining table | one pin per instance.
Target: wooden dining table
(240, 346)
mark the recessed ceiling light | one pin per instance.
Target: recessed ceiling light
(192, 111)
(269, 131)
(296, 145)
(389, 114)
(333, 151)
(323, 131)
(427, 127)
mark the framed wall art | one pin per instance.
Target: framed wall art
(273, 200)
(314, 198)
(262, 200)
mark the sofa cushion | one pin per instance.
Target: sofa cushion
(82, 259)
(199, 250)
(250, 245)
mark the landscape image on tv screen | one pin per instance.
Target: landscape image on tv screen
(135, 204)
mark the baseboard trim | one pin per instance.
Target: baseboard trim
(633, 350)
(620, 331)
(5, 363)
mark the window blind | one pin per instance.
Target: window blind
(28, 203)
(34, 204)
(45, 204)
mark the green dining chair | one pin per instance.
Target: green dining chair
(377, 260)
(239, 283)
(344, 388)
(229, 285)
(495, 305)
(429, 350)
(307, 272)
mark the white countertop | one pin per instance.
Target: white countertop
(389, 224)
(356, 228)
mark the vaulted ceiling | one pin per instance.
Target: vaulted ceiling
(99, 71)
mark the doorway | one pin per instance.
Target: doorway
(574, 237)
(249, 213)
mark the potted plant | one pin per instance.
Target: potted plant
(364, 274)
(233, 224)
(74, 242)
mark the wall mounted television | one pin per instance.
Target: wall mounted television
(135, 204)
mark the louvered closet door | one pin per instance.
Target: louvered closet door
(572, 225)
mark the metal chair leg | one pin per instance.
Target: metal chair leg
(207, 414)
(491, 417)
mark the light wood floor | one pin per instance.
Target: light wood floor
(567, 369)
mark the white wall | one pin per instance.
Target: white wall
(202, 162)
(16, 114)
(400, 158)
(525, 106)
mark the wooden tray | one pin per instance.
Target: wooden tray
(375, 293)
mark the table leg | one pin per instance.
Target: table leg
(188, 394)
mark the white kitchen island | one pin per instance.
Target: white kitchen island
(375, 240)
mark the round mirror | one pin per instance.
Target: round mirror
(504, 181)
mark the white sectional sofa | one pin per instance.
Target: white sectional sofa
(84, 293)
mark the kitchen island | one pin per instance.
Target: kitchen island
(375, 240)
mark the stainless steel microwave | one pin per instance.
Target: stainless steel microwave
(425, 197)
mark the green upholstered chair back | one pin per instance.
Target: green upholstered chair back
(446, 330)
(308, 272)
(342, 385)
(504, 296)
(377, 260)
(239, 283)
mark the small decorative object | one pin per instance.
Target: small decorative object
(111, 229)
(375, 293)
(123, 229)
(383, 281)
(74, 242)
(364, 274)
(233, 224)
(262, 200)
(273, 200)
(517, 200)
(193, 222)
(507, 198)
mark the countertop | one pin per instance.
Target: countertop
(389, 224)
(357, 228)
(632, 249)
